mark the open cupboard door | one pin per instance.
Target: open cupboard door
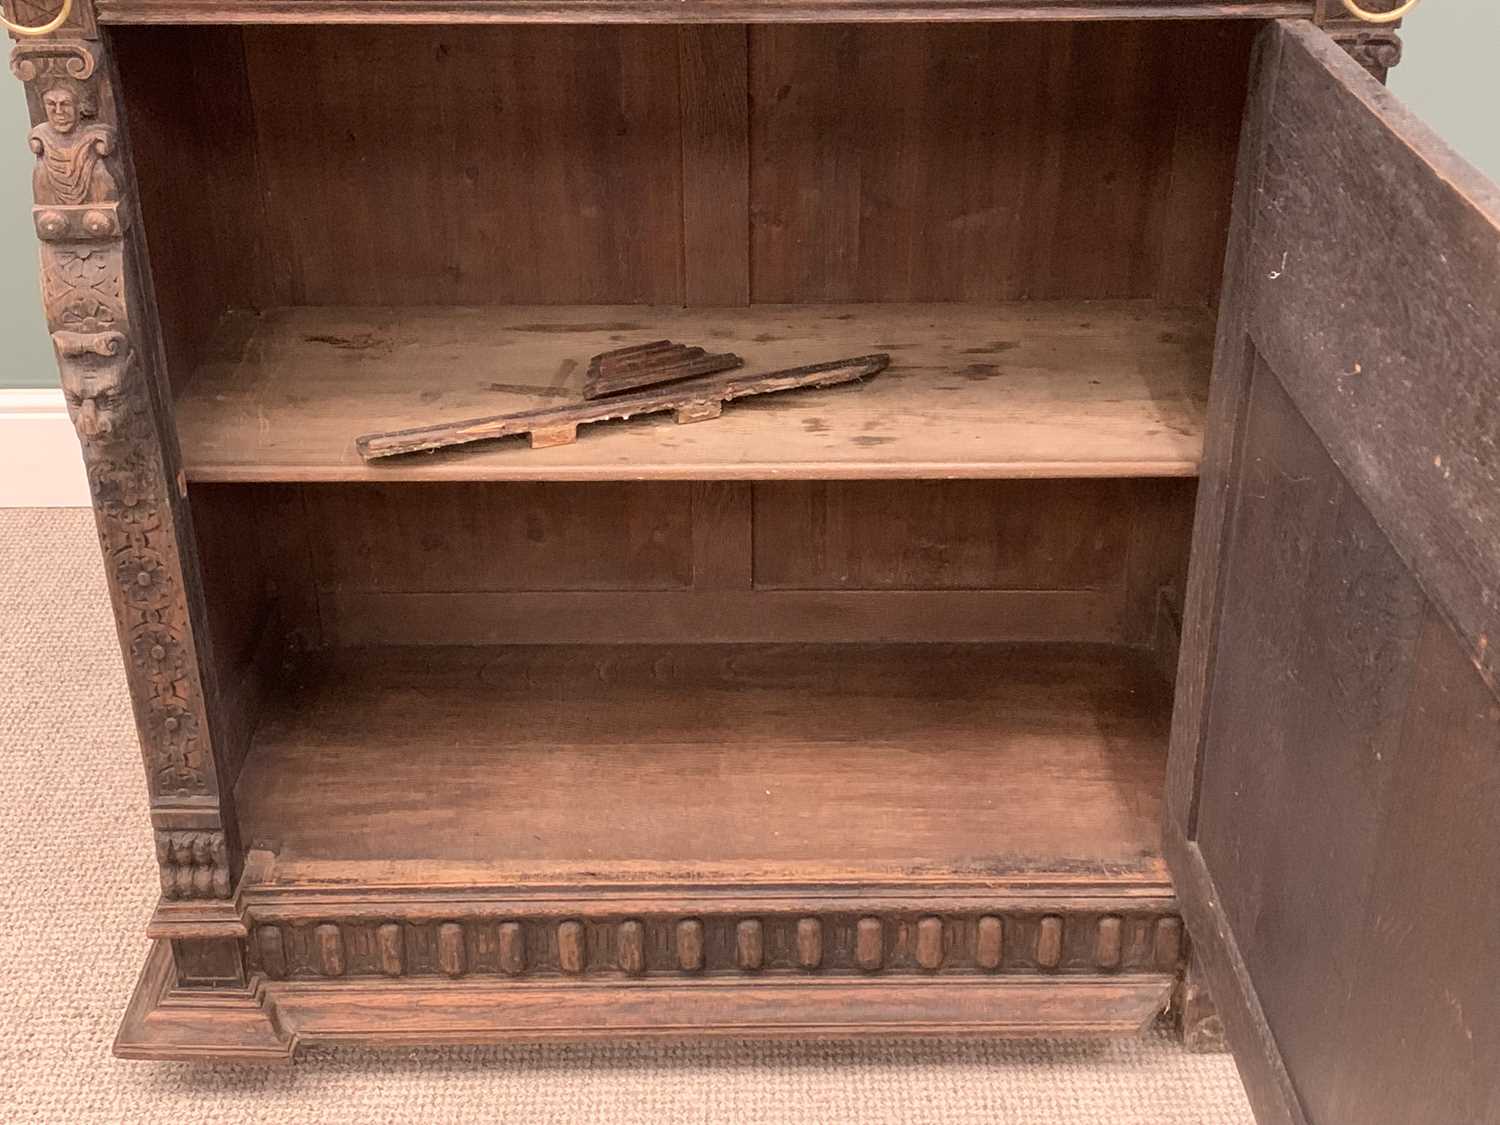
(1333, 821)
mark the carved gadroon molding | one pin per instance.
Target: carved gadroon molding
(694, 945)
(82, 222)
(193, 864)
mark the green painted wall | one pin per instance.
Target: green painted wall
(25, 354)
(1448, 77)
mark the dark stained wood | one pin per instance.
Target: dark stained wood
(1031, 389)
(268, 1025)
(804, 827)
(1433, 870)
(452, 957)
(512, 950)
(1107, 942)
(681, 11)
(630, 950)
(691, 400)
(1156, 562)
(1201, 1026)
(271, 950)
(749, 945)
(949, 163)
(572, 948)
(941, 535)
(1049, 942)
(1167, 942)
(390, 948)
(458, 537)
(719, 561)
(646, 365)
(869, 944)
(1332, 791)
(809, 943)
(715, 90)
(1200, 164)
(329, 942)
(780, 760)
(723, 530)
(483, 135)
(1435, 487)
(690, 945)
(990, 945)
(111, 346)
(930, 942)
(191, 124)
(360, 617)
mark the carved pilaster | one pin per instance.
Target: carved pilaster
(106, 358)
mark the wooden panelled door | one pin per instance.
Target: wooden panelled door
(1333, 815)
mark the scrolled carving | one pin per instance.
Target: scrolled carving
(193, 864)
(48, 58)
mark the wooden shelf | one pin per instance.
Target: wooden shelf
(1029, 389)
(790, 763)
(680, 11)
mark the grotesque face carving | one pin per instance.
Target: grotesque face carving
(97, 399)
(61, 105)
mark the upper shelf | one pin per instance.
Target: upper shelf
(680, 11)
(1029, 389)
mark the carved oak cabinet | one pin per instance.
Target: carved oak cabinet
(1151, 592)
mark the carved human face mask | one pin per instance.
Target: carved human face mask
(62, 109)
(96, 400)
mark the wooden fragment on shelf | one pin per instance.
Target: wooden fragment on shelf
(694, 400)
(650, 365)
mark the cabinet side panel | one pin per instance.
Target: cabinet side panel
(192, 138)
(1314, 663)
(1345, 702)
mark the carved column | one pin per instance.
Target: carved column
(103, 330)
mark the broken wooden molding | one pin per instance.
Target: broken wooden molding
(694, 400)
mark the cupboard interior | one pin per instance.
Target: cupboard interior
(939, 641)
(792, 680)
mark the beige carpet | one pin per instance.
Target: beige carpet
(77, 882)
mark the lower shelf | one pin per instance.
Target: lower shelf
(742, 764)
(567, 841)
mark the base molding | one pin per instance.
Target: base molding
(165, 1022)
(267, 1021)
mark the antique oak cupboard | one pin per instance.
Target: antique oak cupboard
(848, 712)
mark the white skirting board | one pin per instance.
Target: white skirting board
(40, 466)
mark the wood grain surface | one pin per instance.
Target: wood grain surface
(678, 11)
(770, 762)
(1334, 783)
(1053, 389)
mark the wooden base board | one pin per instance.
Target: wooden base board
(269, 1020)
